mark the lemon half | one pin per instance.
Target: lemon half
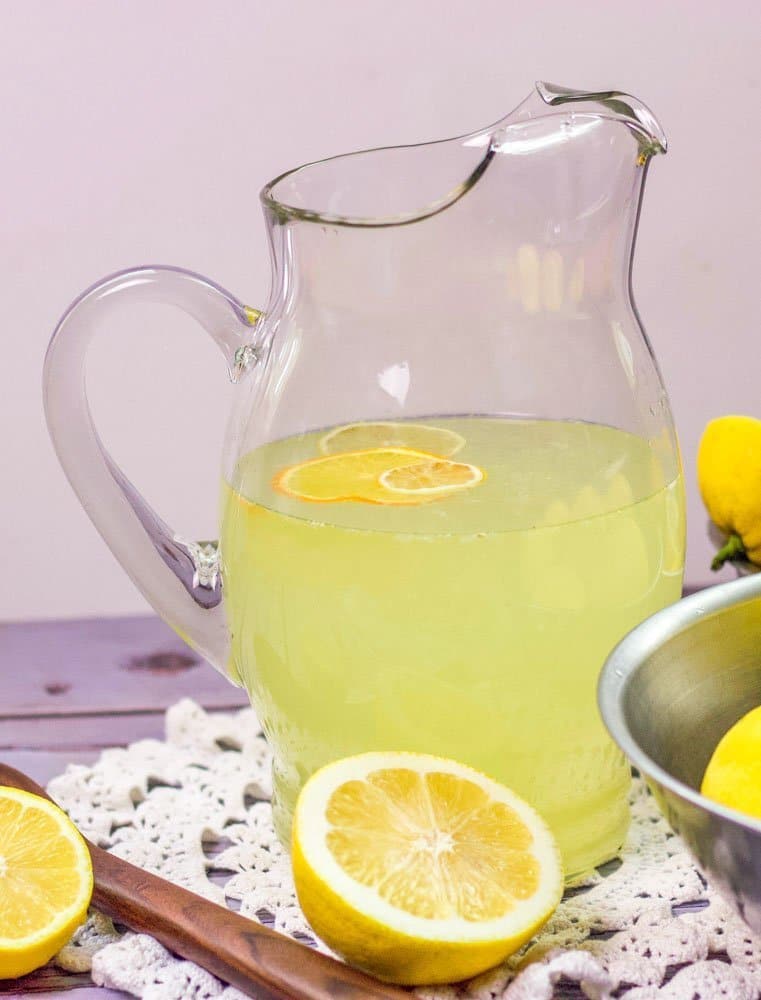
(46, 881)
(419, 869)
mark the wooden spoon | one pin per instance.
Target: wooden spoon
(259, 961)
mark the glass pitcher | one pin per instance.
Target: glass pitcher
(450, 482)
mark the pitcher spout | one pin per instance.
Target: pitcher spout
(617, 105)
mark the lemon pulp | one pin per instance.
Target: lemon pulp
(45, 881)
(419, 869)
(431, 477)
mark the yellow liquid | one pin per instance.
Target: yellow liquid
(473, 627)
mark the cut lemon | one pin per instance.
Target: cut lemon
(45, 881)
(433, 476)
(733, 775)
(387, 434)
(351, 475)
(419, 869)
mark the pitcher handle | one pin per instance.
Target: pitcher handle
(180, 578)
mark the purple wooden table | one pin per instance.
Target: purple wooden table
(69, 689)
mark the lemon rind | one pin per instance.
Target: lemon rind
(65, 919)
(310, 818)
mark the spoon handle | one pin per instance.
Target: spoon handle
(259, 961)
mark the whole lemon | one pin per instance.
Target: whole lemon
(733, 775)
(729, 477)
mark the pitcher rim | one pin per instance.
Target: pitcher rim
(652, 141)
(285, 211)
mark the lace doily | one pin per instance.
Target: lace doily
(194, 810)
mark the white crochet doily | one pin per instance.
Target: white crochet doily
(194, 810)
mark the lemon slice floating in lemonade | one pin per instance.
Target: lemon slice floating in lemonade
(387, 434)
(376, 475)
(353, 475)
(419, 869)
(431, 477)
(46, 881)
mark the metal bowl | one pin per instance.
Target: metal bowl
(668, 693)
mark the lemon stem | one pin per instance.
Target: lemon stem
(732, 549)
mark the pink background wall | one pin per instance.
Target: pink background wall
(141, 132)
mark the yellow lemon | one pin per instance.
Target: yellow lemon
(419, 869)
(46, 881)
(733, 775)
(431, 477)
(729, 477)
(389, 434)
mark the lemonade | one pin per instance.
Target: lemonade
(470, 625)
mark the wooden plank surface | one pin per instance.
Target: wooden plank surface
(50, 983)
(42, 765)
(101, 666)
(69, 689)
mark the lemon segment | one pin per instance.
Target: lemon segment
(353, 475)
(419, 869)
(46, 881)
(388, 434)
(434, 476)
(733, 775)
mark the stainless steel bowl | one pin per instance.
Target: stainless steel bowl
(668, 693)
